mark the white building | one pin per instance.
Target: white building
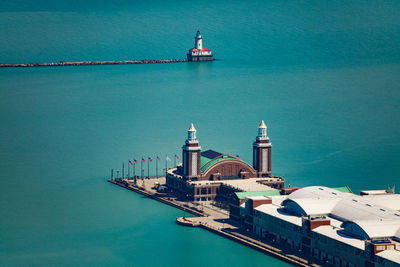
(331, 227)
(199, 52)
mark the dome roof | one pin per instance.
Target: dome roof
(355, 212)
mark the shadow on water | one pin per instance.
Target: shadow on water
(199, 68)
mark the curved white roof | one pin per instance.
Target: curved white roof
(375, 220)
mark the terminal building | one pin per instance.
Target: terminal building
(210, 175)
(327, 226)
(199, 52)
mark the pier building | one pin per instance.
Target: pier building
(199, 52)
(327, 226)
(210, 175)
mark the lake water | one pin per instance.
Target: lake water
(324, 75)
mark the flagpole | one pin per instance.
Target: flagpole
(148, 167)
(157, 167)
(175, 160)
(134, 171)
(141, 171)
(112, 174)
(129, 167)
(166, 164)
(123, 174)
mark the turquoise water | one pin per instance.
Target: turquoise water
(324, 75)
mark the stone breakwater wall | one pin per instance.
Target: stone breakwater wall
(85, 63)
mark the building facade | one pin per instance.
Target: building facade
(199, 52)
(328, 227)
(205, 175)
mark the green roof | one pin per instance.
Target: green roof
(344, 189)
(265, 193)
(206, 162)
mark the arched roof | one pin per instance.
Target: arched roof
(207, 164)
(375, 220)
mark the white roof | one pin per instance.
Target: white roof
(257, 197)
(248, 185)
(273, 211)
(392, 255)
(332, 232)
(391, 201)
(374, 219)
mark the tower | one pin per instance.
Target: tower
(262, 152)
(191, 153)
(198, 43)
(199, 52)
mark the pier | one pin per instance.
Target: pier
(208, 217)
(87, 63)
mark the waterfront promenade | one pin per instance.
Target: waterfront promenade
(208, 217)
(85, 63)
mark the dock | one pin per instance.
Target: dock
(209, 218)
(88, 63)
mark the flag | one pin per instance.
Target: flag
(158, 158)
(176, 156)
(135, 161)
(150, 159)
(130, 162)
(167, 158)
(239, 157)
(143, 160)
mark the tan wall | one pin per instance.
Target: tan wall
(229, 168)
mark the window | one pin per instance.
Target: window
(194, 164)
(264, 164)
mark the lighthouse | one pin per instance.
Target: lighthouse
(199, 52)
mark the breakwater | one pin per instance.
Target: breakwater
(86, 63)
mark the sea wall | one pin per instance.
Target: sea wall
(84, 63)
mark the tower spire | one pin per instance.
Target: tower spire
(262, 130)
(192, 133)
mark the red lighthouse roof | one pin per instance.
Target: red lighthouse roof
(203, 49)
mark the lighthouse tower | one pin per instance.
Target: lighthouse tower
(262, 152)
(199, 52)
(191, 153)
(198, 43)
